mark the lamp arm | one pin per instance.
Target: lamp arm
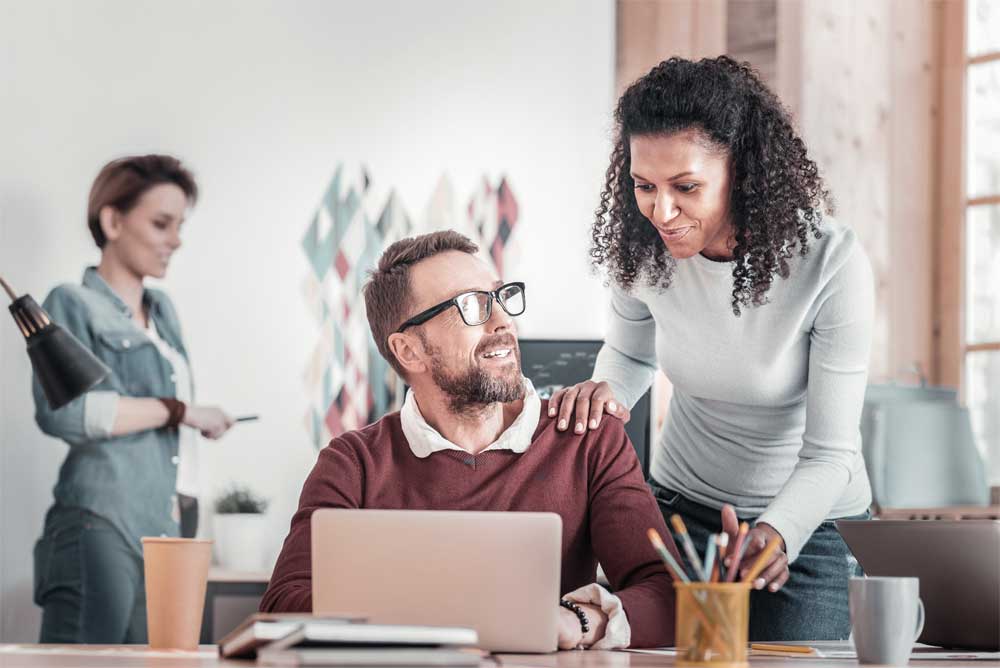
(9, 290)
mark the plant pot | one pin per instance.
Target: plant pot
(239, 541)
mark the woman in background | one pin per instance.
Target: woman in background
(131, 439)
(728, 275)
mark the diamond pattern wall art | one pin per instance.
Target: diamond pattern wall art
(347, 382)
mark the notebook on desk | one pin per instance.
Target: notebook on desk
(263, 628)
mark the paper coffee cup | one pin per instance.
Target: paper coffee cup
(176, 578)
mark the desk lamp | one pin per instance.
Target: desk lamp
(65, 367)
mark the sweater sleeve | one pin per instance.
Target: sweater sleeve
(839, 348)
(627, 361)
(622, 510)
(335, 482)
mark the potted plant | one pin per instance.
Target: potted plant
(240, 526)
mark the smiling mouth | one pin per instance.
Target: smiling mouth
(676, 233)
(499, 353)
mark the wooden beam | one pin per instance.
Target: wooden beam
(985, 58)
(984, 201)
(949, 243)
(993, 346)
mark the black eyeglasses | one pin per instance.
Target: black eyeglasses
(475, 307)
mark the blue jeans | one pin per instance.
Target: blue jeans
(812, 605)
(88, 580)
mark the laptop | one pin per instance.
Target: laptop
(496, 572)
(958, 563)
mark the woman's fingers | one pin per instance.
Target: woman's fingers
(755, 542)
(769, 577)
(730, 523)
(555, 400)
(582, 406)
(566, 408)
(582, 412)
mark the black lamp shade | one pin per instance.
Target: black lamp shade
(65, 368)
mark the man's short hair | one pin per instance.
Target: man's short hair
(387, 293)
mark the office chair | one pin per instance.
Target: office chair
(555, 363)
(920, 452)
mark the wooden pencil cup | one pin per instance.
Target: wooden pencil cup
(712, 624)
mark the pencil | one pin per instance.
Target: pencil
(737, 551)
(763, 559)
(790, 649)
(710, 548)
(688, 545)
(673, 567)
(719, 567)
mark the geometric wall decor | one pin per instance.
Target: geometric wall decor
(348, 384)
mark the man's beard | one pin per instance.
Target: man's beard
(473, 388)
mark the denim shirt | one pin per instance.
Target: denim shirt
(129, 480)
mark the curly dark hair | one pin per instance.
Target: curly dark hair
(778, 197)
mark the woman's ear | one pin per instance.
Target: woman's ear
(408, 352)
(111, 224)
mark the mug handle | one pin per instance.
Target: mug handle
(920, 620)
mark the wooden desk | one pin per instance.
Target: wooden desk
(125, 656)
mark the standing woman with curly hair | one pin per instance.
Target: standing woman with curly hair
(728, 275)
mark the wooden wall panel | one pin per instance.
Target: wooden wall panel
(650, 31)
(845, 123)
(862, 79)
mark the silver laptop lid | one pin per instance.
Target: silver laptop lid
(497, 572)
(958, 563)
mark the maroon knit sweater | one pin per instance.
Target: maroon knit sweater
(593, 481)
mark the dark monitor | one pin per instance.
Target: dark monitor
(552, 364)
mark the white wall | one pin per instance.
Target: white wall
(263, 99)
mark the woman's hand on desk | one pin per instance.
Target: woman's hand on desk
(775, 573)
(590, 400)
(211, 421)
(571, 634)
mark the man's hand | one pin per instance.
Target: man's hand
(570, 631)
(571, 634)
(775, 573)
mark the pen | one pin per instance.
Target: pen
(737, 552)
(688, 545)
(247, 418)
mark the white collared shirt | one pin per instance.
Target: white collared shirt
(424, 440)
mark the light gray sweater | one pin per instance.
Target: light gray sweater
(766, 406)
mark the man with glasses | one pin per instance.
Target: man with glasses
(472, 435)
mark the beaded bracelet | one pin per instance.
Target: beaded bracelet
(578, 611)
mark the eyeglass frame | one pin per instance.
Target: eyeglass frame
(494, 295)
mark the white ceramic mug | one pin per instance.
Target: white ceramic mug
(887, 617)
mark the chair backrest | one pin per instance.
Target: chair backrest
(555, 363)
(876, 395)
(921, 453)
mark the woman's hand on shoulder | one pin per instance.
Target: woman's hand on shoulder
(583, 405)
(211, 421)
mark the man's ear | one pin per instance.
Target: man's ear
(409, 353)
(111, 223)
